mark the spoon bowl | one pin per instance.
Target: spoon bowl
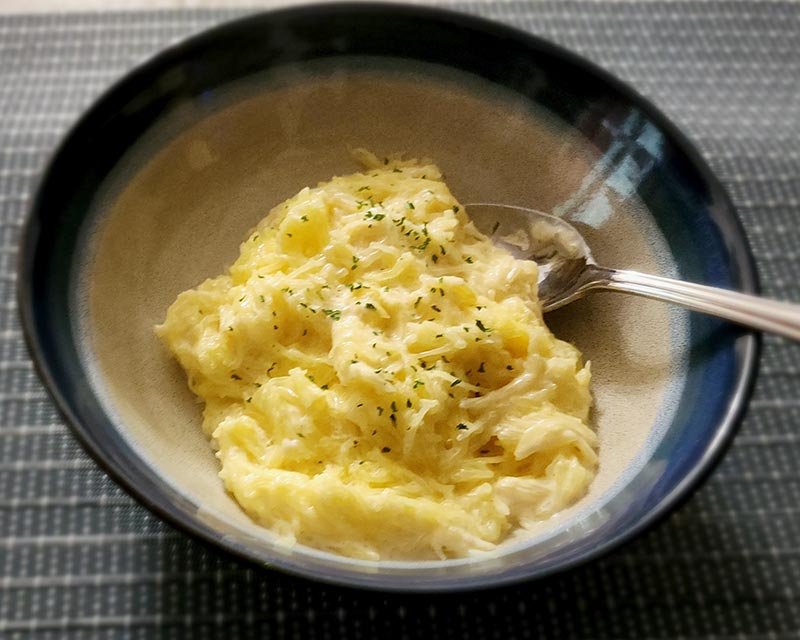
(563, 256)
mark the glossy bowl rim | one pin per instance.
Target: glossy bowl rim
(747, 345)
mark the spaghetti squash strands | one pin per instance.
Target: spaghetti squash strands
(377, 378)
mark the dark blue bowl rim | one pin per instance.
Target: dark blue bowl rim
(748, 344)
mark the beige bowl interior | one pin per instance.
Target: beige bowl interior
(181, 204)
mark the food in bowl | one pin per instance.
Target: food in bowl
(377, 376)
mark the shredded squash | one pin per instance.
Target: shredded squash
(377, 377)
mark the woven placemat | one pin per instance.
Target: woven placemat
(80, 559)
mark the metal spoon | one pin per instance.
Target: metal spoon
(567, 271)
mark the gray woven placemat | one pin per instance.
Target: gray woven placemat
(79, 559)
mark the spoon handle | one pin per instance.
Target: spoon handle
(782, 318)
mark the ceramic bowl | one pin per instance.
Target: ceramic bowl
(154, 188)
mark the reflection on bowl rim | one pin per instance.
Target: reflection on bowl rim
(747, 344)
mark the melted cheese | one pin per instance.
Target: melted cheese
(377, 377)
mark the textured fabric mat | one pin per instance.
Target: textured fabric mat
(80, 559)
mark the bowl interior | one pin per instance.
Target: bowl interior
(206, 166)
(177, 212)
